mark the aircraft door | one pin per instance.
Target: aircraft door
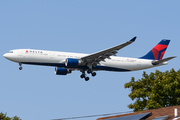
(20, 53)
(52, 55)
(139, 63)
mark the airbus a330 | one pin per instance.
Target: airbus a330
(66, 62)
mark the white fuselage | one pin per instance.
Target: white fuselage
(57, 59)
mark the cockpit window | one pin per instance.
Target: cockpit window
(10, 51)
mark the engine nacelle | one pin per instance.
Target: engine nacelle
(61, 71)
(71, 62)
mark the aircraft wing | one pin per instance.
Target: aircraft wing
(95, 58)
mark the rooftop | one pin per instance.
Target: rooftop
(155, 113)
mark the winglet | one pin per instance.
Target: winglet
(133, 39)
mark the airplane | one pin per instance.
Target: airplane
(106, 60)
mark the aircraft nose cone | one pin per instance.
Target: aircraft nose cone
(10, 57)
(5, 55)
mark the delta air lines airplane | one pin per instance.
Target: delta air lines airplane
(66, 62)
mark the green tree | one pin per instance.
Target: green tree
(4, 117)
(16, 118)
(156, 90)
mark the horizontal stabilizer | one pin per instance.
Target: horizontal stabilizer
(163, 60)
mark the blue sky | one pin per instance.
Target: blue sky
(36, 93)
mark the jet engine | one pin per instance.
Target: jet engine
(61, 71)
(71, 62)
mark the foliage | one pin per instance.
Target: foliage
(156, 90)
(4, 117)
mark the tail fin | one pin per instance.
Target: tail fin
(158, 51)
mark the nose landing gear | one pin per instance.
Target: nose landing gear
(20, 68)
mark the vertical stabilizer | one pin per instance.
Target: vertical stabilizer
(158, 51)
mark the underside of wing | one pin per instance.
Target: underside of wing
(95, 58)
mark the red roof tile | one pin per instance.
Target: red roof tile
(155, 113)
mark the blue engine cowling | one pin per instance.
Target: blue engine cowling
(62, 71)
(71, 62)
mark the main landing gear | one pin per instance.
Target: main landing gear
(85, 76)
(91, 72)
(20, 68)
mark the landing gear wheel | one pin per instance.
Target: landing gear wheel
(82, 76)
(86, 78)
(93, 74)
(20, 68)
(89, 71)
